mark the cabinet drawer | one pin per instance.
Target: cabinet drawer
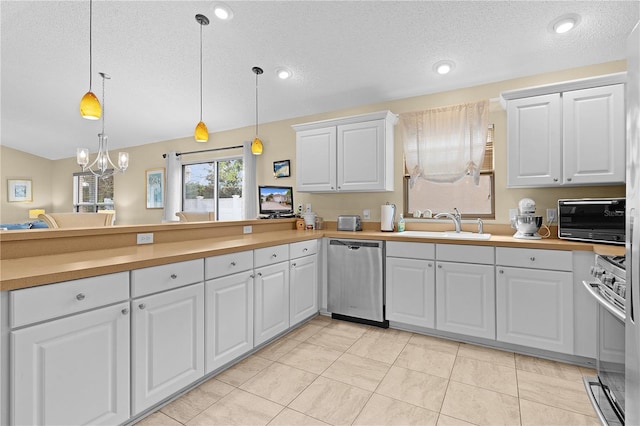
(535, 258)
(466, 254)
(165, 277)
(270, 255)
(42, 303)
(227, 264)
(411, 250)
(303, 248)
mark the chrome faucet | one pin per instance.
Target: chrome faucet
(456, 218)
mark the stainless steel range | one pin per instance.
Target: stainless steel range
(609, 288)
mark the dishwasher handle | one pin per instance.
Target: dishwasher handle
(355, 245)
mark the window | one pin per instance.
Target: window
(215, 185)
(91, 193)
(469, 199)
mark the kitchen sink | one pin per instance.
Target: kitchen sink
(449, 235)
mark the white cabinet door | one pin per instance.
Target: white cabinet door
(167, 342)
(535, 308)
(74, 370)
(229, 323)
(534, 135)
(410, 291)
(316, 157)
(465, 299)
(271, 303)
(361, 156)
(303, 283)
(594, 135)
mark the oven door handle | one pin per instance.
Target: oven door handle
(592, 288)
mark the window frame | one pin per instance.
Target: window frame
(97, 206)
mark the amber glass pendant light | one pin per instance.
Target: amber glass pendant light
(201, 133)
(89, 104)
(256, 145)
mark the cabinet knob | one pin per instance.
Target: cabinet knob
(259, 274)
(293, 265)
(125, 311)
(274, 255)
(233, 263)
(555, 179)
(430, 265)
(440, 266)
(568, 179)
(305, 250)
(80, 296)
(501, 271)
(252, 275)
(532, 258)
(142, 306)
(332, 187)
(174, 276)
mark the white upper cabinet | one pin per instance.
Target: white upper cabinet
(570, 133)
(351, 154)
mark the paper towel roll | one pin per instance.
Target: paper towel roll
(387, 217)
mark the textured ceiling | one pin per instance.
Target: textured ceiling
(343, 54)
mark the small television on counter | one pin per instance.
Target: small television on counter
(275, 201)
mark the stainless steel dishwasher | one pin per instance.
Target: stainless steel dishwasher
(356, 281)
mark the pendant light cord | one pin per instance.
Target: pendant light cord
(104, 109)
(90, 43)
(200, 72)
(257, 74)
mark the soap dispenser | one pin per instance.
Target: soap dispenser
(401, 224)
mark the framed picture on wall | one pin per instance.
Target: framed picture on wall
(154, 183)
(19, 190)
(281, 168)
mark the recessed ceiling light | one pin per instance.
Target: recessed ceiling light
(444, 67)
(564, 23)
(284, 73)
(222, 11)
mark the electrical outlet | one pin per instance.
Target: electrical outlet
(299, 209)
(552, 215)
(366, 213)
(247, 229)
(145, 238)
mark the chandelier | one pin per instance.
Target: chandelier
(102, 166)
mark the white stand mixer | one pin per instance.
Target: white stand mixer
(526, 223)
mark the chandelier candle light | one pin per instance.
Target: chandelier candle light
(89, 105)
(102, 166)
(256, 146)
(201, 133)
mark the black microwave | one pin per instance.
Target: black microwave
(600, 220)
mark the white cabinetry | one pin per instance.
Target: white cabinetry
(534, 298)
(73, 370)
(465, 290)
(569, 133)
(229, 308)
(346, 154)
(167, 330)
(410, 283)
(303, 281)
(271, 292)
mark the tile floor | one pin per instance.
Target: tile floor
(340, 373)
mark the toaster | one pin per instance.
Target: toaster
(349, 223)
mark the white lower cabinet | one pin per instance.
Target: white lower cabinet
(303, 281)
(167, 344)
(73, 370)
(465, 299)
(410, 291)
(534, 305)
(229, 318)
(271, 306)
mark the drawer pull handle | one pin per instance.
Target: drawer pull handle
(274, 255)
(174, 276)
(532, 258)
(142, 306)
(125, 311)
(80, 296)
(305, 250)
(233, 263)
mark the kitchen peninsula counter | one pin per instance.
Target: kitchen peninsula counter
(74, 260)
